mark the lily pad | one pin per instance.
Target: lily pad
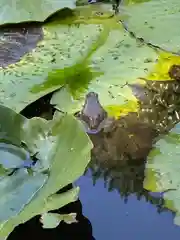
(120, 60)
(156, 22)
(62, 47)
(71, 54)
(162, 170)
(22, 11)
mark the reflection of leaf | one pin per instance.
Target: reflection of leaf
(153, 21)
(63, 150)
(122, 60)
(162, 170)
(30, 10)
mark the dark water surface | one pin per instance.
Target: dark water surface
(113, 219)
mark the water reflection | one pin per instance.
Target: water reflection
(112, 219)
(75, 231)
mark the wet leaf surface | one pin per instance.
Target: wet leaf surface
(115, 60)
(57, 50)
(156, 22)
(23, 11)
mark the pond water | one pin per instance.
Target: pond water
(113, 219)
(105, 216)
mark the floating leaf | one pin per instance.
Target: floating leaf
(156, 22)
(162, 170)
(61, 48)
(83, 51)
(22, 11)
(120, 60)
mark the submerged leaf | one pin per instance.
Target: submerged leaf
(85, 51)
(10, 126)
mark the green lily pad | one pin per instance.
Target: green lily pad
(162, 170)
(122, 61)
(23, 11)
(53, 142)
(62, 47)
(71, 54)
(157, 22)
(119, 60)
